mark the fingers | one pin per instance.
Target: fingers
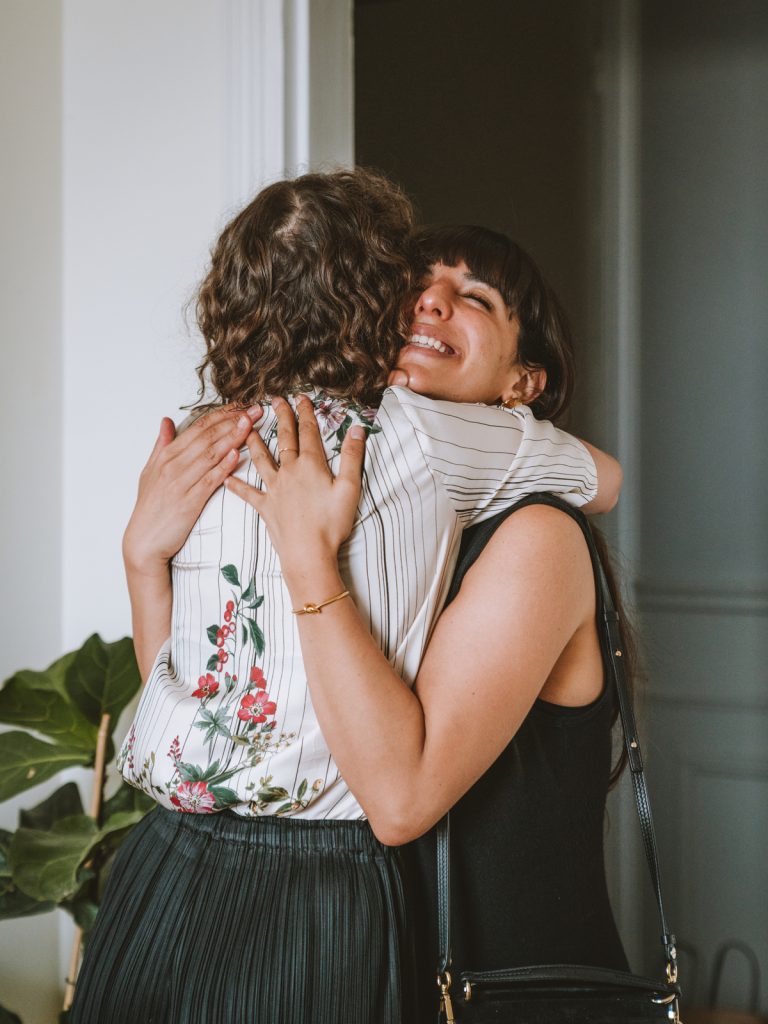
(265, 465)
(352, 457)
(165, 435)
(215, 477)
(211, 439)
(252, 495)
(310, 441)
(287, 437)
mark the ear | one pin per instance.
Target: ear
(526, 388)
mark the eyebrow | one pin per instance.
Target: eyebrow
(475, 280)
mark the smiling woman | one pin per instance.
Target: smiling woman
(487, 327)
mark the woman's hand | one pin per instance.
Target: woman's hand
(180, 476)
(308, 512)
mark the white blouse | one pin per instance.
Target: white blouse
(226, 717)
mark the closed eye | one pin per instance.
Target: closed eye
(485, 303)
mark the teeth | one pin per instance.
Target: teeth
(426, 342)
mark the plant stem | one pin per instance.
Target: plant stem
(97, 794)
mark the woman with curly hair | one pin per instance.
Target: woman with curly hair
(269, 898)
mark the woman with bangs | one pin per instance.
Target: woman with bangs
(509, 722)
(265, 887)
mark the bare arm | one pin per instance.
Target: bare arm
(609, 480)
(180, 475)
(409, 756)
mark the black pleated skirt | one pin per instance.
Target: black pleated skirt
(217, 919)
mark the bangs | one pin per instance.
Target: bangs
(490, 257)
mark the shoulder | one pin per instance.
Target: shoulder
(535, 549)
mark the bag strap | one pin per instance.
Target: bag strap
(608, 620)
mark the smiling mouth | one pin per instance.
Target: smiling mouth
(425, 341)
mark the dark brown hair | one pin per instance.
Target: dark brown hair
(629, 645)
(545, 338)
(307, 286)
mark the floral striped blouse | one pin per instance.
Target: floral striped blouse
(226, 719)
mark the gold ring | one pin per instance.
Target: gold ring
(281, 450)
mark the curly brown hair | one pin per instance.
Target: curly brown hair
(307, 287)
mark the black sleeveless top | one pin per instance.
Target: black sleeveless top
(528, 876)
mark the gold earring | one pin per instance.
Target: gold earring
(510, 403)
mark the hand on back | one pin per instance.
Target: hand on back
(181, 474)
(307, 510)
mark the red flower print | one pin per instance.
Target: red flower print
(255, 707)
(194, 798)
(207, 686)
(175, 752)
(257, 677)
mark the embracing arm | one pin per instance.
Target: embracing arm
(409, 756)
(610, 477)
(180, 475)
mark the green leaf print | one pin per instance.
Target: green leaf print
(256, 635)
(302, 789)
(257, 603)
(214, 722)
(212, 632)
(249, 592)
(225, 797)
(211, 664)
(268, 794)
(229, 572)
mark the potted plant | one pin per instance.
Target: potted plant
(63, 717)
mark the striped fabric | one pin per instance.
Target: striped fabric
(219, 919)
(226, 719)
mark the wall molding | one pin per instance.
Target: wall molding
(693, 599)
(255, 95)
(289, 92)
(695, 702)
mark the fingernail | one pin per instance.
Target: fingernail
(232, 454)
(255, 411)
(357, 432)
(398, 378)
(243, 422)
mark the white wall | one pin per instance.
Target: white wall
(30, 386)
(130, 134)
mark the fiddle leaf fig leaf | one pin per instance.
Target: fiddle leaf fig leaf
(83, 911)
(14, 903)
(119, 821)
(126, 798)
(52, 678)
(38, 701)
(25, 761)
(62, 804)
(45, 864)
(103, 678)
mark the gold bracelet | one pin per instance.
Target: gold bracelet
(315, 609)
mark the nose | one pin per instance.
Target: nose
(434, 300)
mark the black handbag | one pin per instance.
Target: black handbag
(565, 993)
